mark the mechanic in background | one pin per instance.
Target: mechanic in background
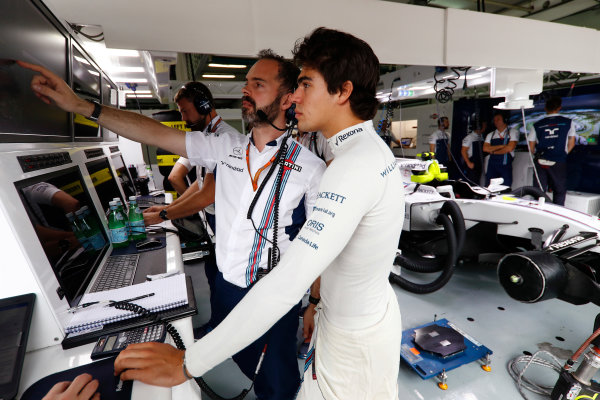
(551, 139)
(500, 144)
(439, 142)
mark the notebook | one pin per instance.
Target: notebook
(168, 293)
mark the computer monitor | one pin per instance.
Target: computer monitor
(104, 181)
(47, 199)
(123, 175)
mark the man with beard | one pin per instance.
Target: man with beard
(245, 238)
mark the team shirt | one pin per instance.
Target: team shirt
(241, 250)
(513, 137)
(471, 140)
(317, 143)
(350, 240)
(532, 137)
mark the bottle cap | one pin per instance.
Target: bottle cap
(132, 198)
(79, 212)
(69, 215)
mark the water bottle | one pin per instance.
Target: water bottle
(137, 228)
(150, 175)
(121, 209)
(90, 228)
(116, 224)
(77, 231)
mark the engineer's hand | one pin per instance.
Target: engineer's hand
(152, 218)
(50, 87)
(308, 321)
(470, 165)
(154, 209)
(158, 364)
(82, 388)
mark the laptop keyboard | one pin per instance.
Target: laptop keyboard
(118, 272)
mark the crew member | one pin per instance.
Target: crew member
(439, 142)
(472, 153)
(348, 240)
(551, 139)
(317, 143)
(501, 145)
(244, 243)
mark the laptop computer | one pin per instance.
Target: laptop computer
(15, 319)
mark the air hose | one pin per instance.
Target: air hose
(532, 191)
(427, 265)
(451, 218)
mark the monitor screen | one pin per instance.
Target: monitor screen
(584, 110)
(26, 33)
(104, 182)
(86, 83)
(74, 249)
(123, 175)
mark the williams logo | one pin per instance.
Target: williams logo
(290, 165)
(339, 139)
(237, 151)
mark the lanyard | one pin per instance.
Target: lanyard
(257, 175)
(213, 129)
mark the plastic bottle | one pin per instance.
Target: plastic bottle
(150, 175)
(116, 224)
(89, 228)
(77, 231)
(136, 221)
(121, 209)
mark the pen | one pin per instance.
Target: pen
(112, 302)
(108, 303)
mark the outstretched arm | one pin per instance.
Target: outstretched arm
(50, 88)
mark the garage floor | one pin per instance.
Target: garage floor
(474, 302)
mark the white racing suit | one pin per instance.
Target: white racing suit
(350, 240)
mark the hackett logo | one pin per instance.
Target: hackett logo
(341, 138)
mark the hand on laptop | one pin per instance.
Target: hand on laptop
(154, 209)
(82, 388)
(158, 364)
(152, 218)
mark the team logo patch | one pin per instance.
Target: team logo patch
(237, 151)
(290, 165)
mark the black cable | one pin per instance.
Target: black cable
(444, 94)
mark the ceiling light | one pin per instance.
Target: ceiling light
(128, 69)
(123, 53)
(93, 72)
(137, 91)
(131, 80)
(218, 76)
(216, 65)
(139, 96)
(81, 60)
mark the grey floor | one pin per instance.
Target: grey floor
(474, 301)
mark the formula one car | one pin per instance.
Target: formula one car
(450, 220)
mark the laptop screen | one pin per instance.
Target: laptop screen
(104, 181)
(123, 175)
(74, 253)
(15, 320)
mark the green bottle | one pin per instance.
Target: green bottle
(89, 228)
(116, 224)
(137, 228)
(77, 231)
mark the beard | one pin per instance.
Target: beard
(249, 116)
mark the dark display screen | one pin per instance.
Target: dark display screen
(104, 181)
(74, 256)
(27, 34)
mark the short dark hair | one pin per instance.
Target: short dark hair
(288, 71)
(553, 103)
(191, 89)
(341, 57)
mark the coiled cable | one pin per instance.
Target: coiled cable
(525, 383)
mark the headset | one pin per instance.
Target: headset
(202, 103)
(290, 114)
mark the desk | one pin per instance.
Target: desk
(43, 362)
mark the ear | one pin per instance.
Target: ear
(286, 101)
(345, 92)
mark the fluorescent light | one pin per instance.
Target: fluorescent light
(93, 72)
(218, 76)
(128, 69)
(140, 96)
(216, 65)
(131, 80)
(420, 87)
(480, 68)
(137, 91)
(123, 53)
(81, 60)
